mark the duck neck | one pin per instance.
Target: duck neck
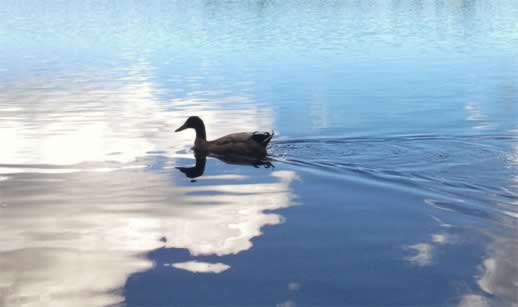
(200, 132)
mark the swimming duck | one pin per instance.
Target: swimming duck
(248, 144)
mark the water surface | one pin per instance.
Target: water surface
(394, 170)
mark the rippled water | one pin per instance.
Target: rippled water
(394, 170)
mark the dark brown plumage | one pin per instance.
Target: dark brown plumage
(251, 144)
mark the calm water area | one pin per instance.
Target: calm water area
(394, 167)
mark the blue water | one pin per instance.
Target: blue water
(392, 179)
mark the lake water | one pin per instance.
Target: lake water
(394, 176)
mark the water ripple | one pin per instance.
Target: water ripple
(436, 164)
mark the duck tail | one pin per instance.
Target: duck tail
(263, 138)
(268, 138)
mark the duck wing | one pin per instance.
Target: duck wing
(261, 138)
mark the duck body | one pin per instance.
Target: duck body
(246, 144)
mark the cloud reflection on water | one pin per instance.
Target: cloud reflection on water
(498, 275)
(73, 234)
(500, 270)
(109, 120)
(87, 231)
(201, 267)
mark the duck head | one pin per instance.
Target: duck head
(195, 123)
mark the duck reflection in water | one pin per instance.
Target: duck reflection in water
(197, 170)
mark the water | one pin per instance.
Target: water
(394, 168)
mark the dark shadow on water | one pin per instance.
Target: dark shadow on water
(198, 169)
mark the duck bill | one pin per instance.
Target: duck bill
(183, 127)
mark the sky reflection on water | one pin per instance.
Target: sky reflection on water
(90, 229)
(101, 203)
(394, 167)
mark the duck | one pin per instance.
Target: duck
(244, 144)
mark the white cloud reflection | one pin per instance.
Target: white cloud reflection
(423, 256)
(81, 208)
(473, 300)
(103, 121)
(84, 233)
(424, 250)
(500, 270)
(201, 267)
(440, 238)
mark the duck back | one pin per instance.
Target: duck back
(246, 144)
